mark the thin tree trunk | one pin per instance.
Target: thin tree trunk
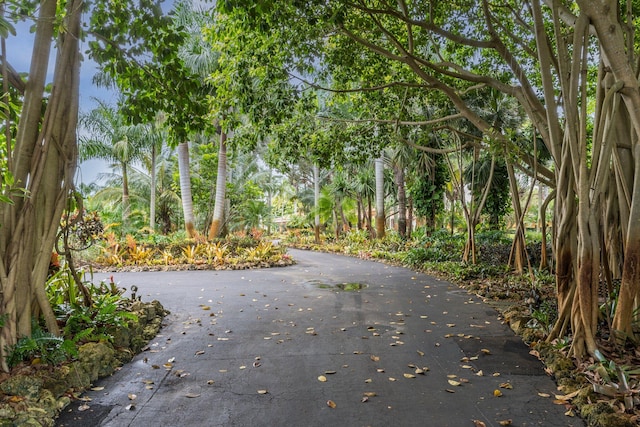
(316, 201)
(221, 187)
(152, 197)
(402, 201)
(185, 189)
(380, 215)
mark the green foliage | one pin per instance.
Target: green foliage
(44, 346)
(438, 247)
(81, 323)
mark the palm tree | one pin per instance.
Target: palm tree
(380, 214)
(221, 186)
(111, 139)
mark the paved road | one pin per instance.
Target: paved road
(295, 336)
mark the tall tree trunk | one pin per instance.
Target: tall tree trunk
(45, 163)
(221, 188)
(402, 200)
(185, 189)
(380, 214)
(316, 202)
(152, 196)
(125, 197)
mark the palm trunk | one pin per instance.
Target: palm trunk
(402, 201)
(380, 214)
(221, 187)
(185, 189)
(152, 196)
(316, 201)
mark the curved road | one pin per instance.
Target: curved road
(279, 347)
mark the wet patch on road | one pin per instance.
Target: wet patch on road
(345, 287)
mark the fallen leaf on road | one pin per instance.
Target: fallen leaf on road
(97, 388)
(370, 394)
(331, 404)
(453, 382)
(83, 408)
(409, 376)
(375, 358)
(421, 353)
(199, 352)
(392, 379)
(322, 379)
(263, 391)
(478, 423)
(506, 385)
(329, 372)
(132, 396)
(192, 395)
(544, 395)
(505, 422)
(130, 407)
(497, 393)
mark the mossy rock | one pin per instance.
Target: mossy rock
(27, 386)
(98, 359)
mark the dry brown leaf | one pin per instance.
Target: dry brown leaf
(329, 372)
(192, 395)
(392, 379)
(409, 376)
(210, 382)
(263, 391)
(497, 393)
(567, 397)
(83, 408)
(199, 352)
(97, 388)
(453, 382)
(419, 371)
(544, 395)
(331, 404)
(485, 351)
(478, 423)
(448, 390)
(370, 394)
(322, 379)
(421, 353)
(375, 358)
(505, 422)
(506, 385)
(130, 407)
(132, 396)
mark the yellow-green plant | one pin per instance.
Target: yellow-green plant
(190, 253)
(216, 252)
(141, 255)
(167, 257)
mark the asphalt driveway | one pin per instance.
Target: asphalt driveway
(330, 341)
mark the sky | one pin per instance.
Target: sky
(19, 49)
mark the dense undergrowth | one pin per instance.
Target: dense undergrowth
(603, 391)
